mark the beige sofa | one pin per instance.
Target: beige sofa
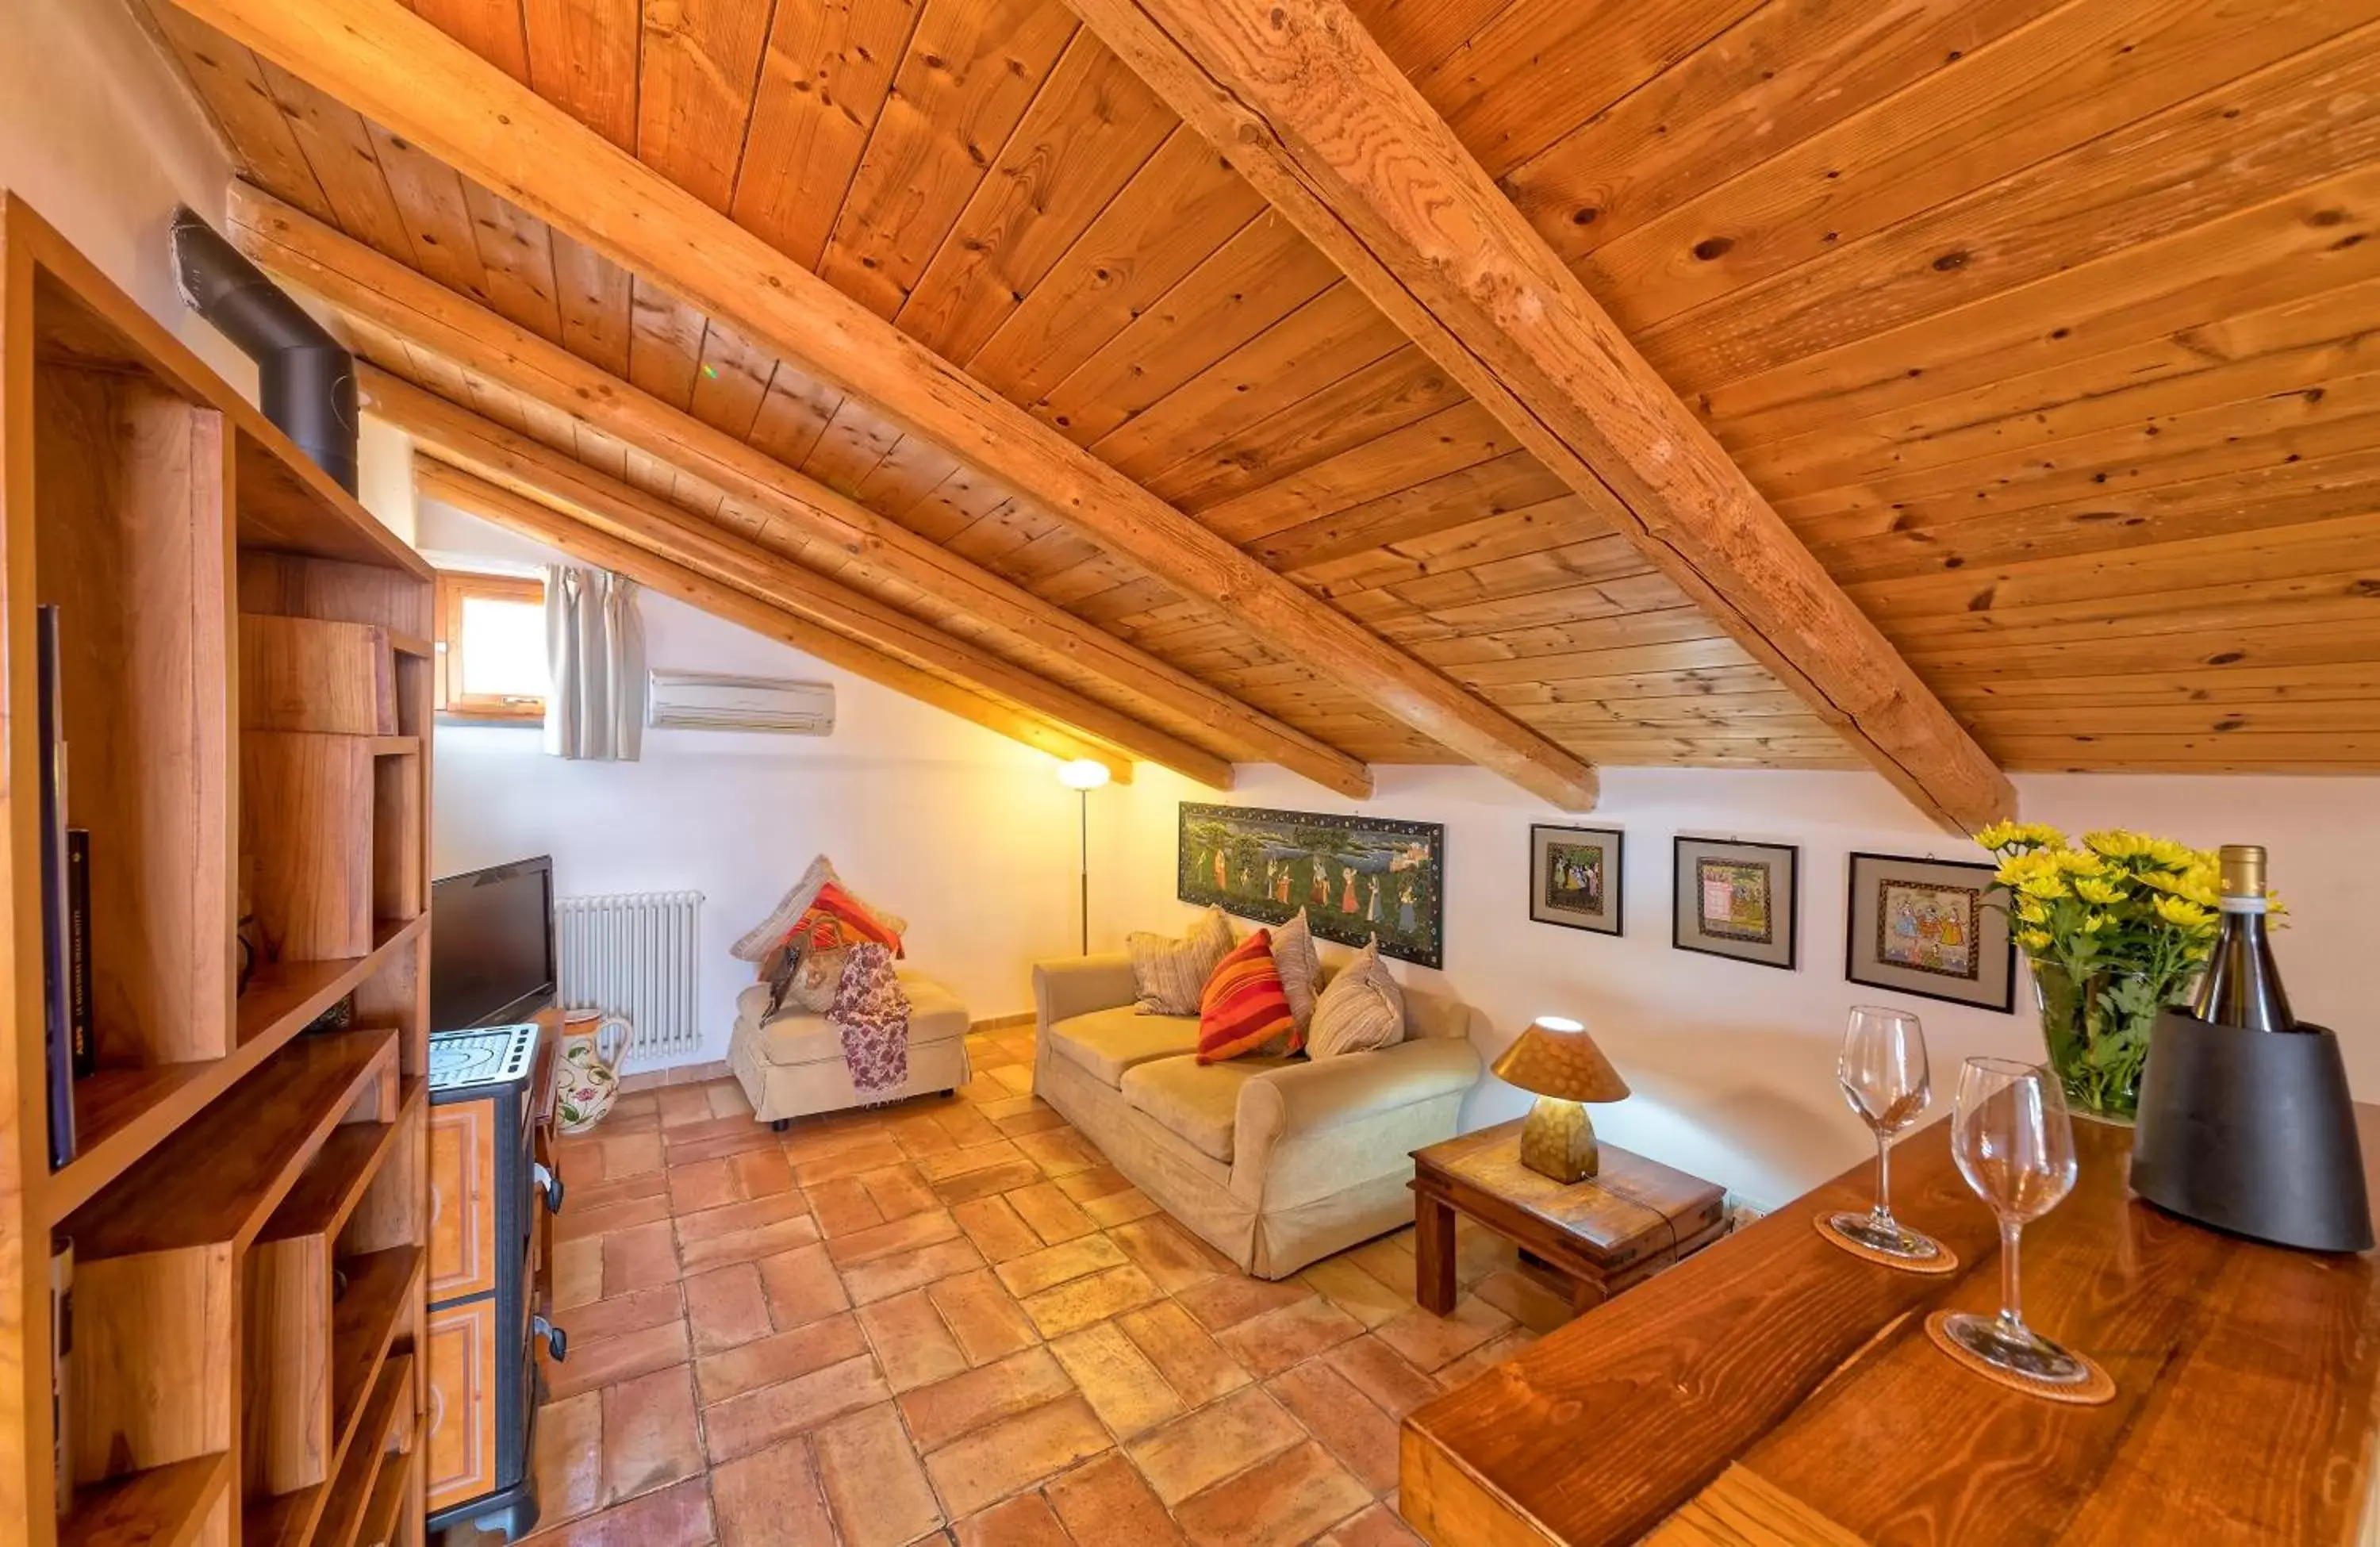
(792, 1067)
(1277, 1161)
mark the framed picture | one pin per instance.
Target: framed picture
(1922, 927)
(1737, 899)
(1355, 876)
(1574, 877)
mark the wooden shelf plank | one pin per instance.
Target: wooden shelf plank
(395, 746)
(223, 1172)
(120, 1113)
(387, 1505)
(351, 1488)
(381, 1286)
(327, 1514)
(410, 644)
(277, 1006)
(335, 1180)
(163, 1506)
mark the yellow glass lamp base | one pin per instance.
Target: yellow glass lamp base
(1558, 1141)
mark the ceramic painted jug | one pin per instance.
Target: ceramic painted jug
(586, 1071)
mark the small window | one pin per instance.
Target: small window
(492, 647)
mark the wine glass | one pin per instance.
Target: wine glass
(2015, 1145)
(1883, 1072)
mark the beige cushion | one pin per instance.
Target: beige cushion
(1105, 1044)
(1362, 1010)
(796, 1037)
(1168, 974)
(1300, 966)
(764, 937)
(1199, 1101)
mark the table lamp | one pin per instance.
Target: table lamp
(1560, 1062)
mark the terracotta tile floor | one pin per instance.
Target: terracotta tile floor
(951, 1321)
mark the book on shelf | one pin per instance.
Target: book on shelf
(57, 1010)
(85, 1050)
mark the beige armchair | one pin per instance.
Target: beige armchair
(1275, 1161)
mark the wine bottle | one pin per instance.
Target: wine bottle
(2242, 986)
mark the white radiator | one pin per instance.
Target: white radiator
(636, 954)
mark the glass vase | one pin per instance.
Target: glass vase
(2097, 1030)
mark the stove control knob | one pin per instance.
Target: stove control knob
(557, 1342)
(549, 1185)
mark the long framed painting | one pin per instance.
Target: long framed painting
(1737, 899)
(1355, 876)
(1574, 877)
(1922, 927)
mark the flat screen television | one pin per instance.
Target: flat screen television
(491, 944)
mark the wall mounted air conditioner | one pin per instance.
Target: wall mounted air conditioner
(712, 701)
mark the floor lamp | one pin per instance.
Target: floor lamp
(1083, 776)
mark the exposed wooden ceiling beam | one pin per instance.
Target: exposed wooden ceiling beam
(630, 516)
(403, 73)
(378, 290)
(566, 532)
(1307, 106)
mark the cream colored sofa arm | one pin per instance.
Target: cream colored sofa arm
(1301, 1100)
(1078, 985)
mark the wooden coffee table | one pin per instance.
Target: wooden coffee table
(1603, 1235)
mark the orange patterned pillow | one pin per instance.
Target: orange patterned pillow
(837, 918)
(1242, 1006)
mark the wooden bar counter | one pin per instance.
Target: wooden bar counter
(1777, 1390)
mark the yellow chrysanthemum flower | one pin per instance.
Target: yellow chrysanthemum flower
(2182, 911)
(2021, 834)
(2077, 861)
(2047, 888)
(2033, 939)
(2031, 911)
(2117, 843)
(2094, 923)
(2092, 889)
(2017, 869)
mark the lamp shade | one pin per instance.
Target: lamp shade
(1556, 1057)
(1082, 774)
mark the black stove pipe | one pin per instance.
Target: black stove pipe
(309, 379)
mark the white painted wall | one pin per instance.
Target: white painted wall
(967, 834)
(1733, 1065)
(99, 134)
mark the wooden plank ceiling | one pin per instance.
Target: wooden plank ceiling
(2046, 327)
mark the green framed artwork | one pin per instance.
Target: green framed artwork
(1738, 899)
(1355, 877)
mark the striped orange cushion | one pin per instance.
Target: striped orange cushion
(1242, 1006)
(837, 918)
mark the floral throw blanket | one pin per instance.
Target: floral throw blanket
(871, 1015)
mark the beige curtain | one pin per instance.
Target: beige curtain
(595, 646)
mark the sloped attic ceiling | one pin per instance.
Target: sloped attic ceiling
(2043, 326)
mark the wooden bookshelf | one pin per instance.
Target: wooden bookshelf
(248, 696)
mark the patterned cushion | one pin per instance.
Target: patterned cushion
(1167, 975)
(1362, 1009)
(779, 972)
(837, 918)
(811, 988)
(1294, 956)
(1243, 1007)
